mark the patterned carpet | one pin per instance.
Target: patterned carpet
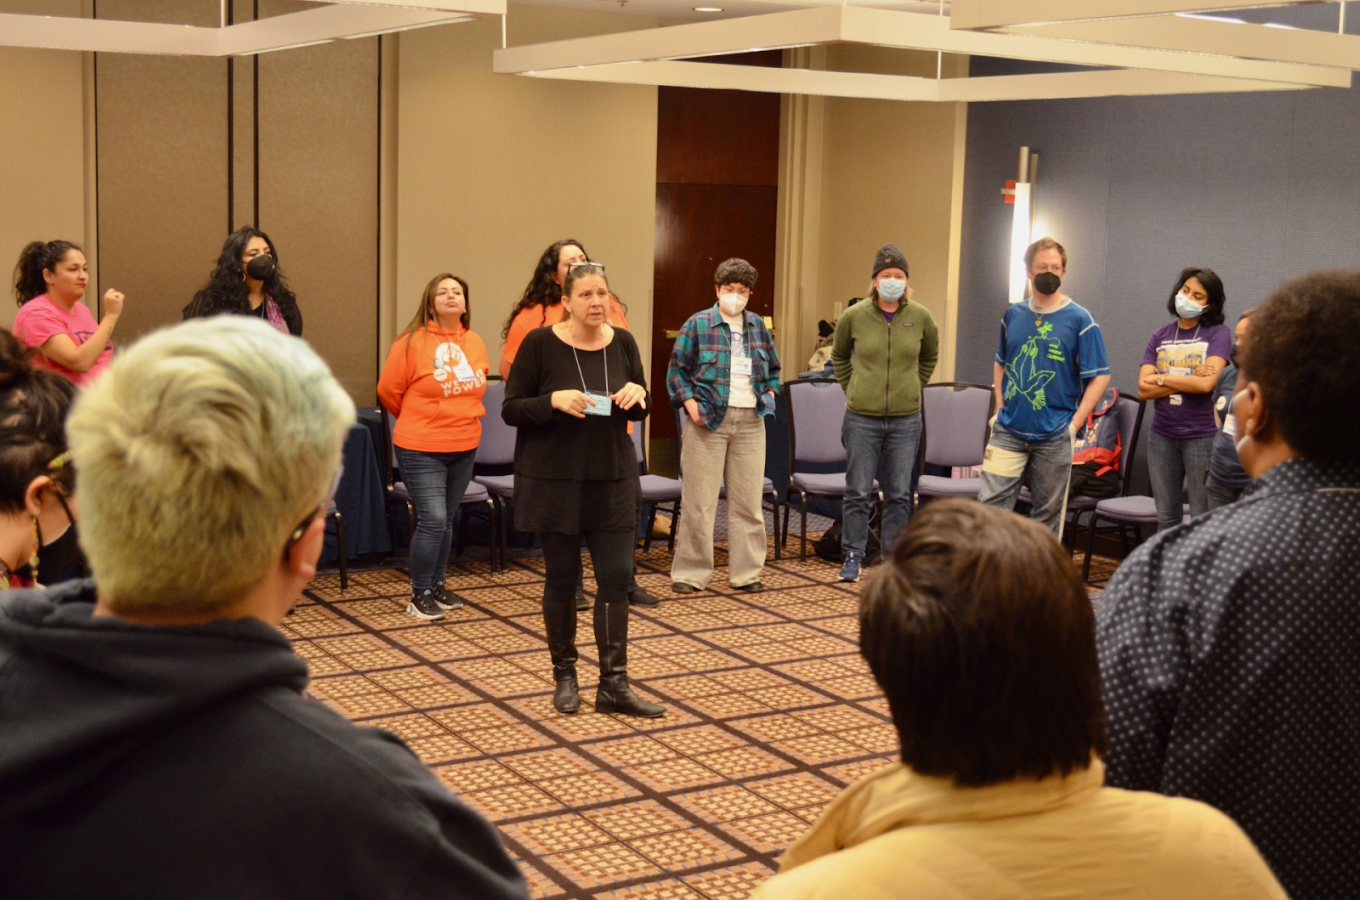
(770, 712)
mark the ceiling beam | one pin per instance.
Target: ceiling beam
(883, 28)
(1230, 39)
(1111, 83)
(985, 14)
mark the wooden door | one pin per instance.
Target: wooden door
(716, 194)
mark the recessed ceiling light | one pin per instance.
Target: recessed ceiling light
(708, 9)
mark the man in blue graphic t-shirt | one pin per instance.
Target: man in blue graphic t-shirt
(1050, 371)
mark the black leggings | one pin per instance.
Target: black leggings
(611, 552)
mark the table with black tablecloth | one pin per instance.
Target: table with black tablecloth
(359, 499)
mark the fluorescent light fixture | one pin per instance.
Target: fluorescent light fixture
(1211, 18)
(708, 9)
(1020, 240)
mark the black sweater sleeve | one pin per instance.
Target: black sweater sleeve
(525, 403)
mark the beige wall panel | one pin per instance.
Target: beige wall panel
(162, 157)
(493, 168)
(887, 175)
(42, 167)
(318, 187)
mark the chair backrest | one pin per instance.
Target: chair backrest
(954, 418)
(639, 447)
(498, 439)
(1130, 426)
(816, 411)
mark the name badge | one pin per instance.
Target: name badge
(463, 370)
(741, 365)
(598, 404)
(1230, 425)
(1180, 370)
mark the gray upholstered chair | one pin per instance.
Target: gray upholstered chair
(954, 418)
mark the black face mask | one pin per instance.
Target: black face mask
(62, 560)
(262, 267)
(1047, 283)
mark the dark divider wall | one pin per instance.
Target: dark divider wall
(1259, 187)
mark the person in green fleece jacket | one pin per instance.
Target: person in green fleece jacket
(885, 349)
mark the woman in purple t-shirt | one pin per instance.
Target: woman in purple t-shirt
(49, 283)
(1180, 366)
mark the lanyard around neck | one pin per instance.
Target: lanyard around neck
(603, 350)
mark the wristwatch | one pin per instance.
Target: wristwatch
(1161, 381)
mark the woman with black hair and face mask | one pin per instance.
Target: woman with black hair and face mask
(1179, 370)
(37, 484)
(247, 281)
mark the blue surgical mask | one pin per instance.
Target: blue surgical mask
(1187, 308)
(891, 289)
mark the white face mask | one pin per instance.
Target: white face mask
(731, 304)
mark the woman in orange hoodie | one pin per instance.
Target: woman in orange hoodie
(433, 383)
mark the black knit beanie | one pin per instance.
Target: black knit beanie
(889, 257)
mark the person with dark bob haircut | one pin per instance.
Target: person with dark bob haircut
(1228, 647)
(1179, 371)
(37, 527)
(981, 634)
(248, 281)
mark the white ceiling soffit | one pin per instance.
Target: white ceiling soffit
(338, 21)
(639, 57)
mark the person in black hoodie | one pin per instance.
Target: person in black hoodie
(154, 738)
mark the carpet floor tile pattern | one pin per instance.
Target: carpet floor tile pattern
(770, 712)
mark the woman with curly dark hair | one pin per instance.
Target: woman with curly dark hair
(247, 281)
(542, 301)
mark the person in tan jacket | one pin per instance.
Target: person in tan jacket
(981, 635)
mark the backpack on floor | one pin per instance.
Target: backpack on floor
(828, 546)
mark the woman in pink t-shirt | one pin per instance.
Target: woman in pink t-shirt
(49, 283)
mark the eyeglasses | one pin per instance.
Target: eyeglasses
(593, 267)
(319, 511)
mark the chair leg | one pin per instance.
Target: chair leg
(1124, 539)
(464, 518)
(651, 524)
(675, 526)
(774, 509)
(802, 553)
(505, 534)
(1090, 548)
(340, 545)
(788, 507)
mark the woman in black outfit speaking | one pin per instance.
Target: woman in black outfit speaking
(571, 393)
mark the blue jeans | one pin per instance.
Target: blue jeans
(1050, 475)
(437, 482)
(882, 447)
(1170, 464)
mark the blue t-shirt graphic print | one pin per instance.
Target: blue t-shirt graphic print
(1047, 361)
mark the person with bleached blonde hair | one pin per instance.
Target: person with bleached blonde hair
(157, 722)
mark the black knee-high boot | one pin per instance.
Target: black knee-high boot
(560, 621)
(611, 637)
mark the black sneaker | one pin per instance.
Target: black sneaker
(639, 596)
(423, 606)
(445, 599)
(752, 588)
